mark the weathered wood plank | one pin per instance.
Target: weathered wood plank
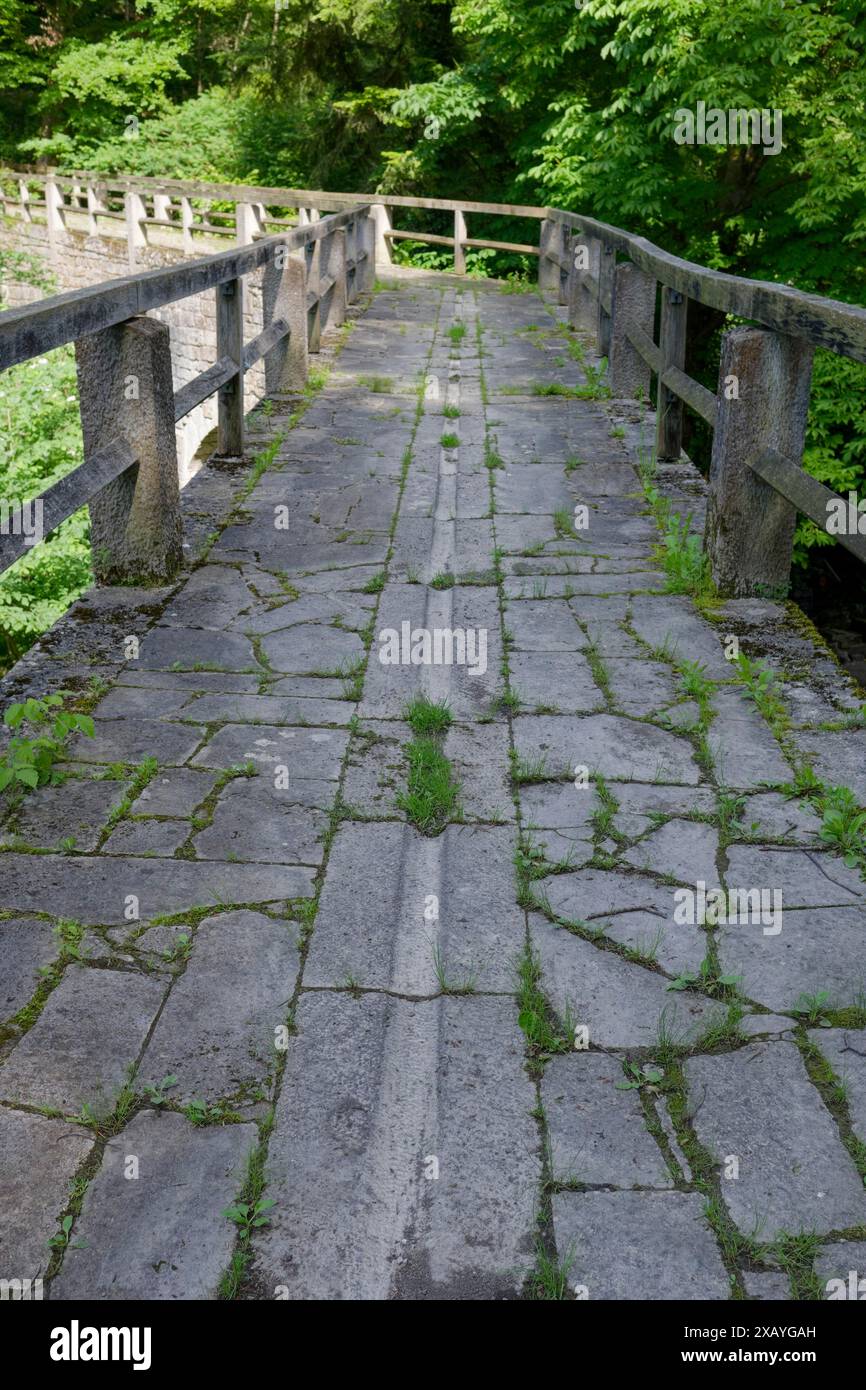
(202, 386)
(65, 497)
(643, 343)
(267, 339)
(805, 493)
(693, 393)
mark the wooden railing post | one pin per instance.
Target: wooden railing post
(460, 235)
(230, 343)
(633, 302)
(284, 296)
(585, 253)
(606, 268)
(763, 402)
(125, 388)
(672, 344)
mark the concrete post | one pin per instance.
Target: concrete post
(186, 221)
(125, 388)
(284, 296)
(366, 278)
(459, 237)
(334, 263)
(313, 264)
(230, 343)
(763, 401)
(606, 267)
(247, 223)
(54, 212)
(24, 197)
(582, 308)
(634, 301)
(136, 240)
(549, 242)
(95, 205)
(383, 223)
(161, 205)
(672, 344)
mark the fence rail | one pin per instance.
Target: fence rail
(129, 477)
(757, 414)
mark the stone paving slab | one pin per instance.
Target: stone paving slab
(610, 745)
(597, 1133)
(27, 945)
(162, 1235)
(817, 950)
(217, 1033)
(631, 909)
(639, 1246)
(838, 1262)
(375, 1088)
(307, 752)
(39, 1158)
(622, 1004)
(371, 930)
(98, 890)
(53, 814)
(845, 1050)
(78, 1051)
(794, 1173)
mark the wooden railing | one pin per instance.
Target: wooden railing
(759, 411)
(151, 212)
(128, 406)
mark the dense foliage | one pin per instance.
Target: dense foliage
(545, 101)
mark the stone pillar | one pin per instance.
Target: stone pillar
(313, 264)
(460, 234)
(24, 197)
(383, 223)
(334, 263)
(582, 306)
(248, 223)
(606, 268)
(284, 296)
(230, 343)
(95, 205)
(367, 243)
(672, 344)
(634, 301)
(125, 389)
(55, 217)
(186, 221)
(549, 242)
(136, 240)
(763, 401)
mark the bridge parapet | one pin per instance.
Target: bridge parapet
(328, 244)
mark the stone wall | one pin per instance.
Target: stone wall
(77, 260)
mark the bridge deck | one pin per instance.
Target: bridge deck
(254, 922)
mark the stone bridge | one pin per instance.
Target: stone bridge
(447, 902)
